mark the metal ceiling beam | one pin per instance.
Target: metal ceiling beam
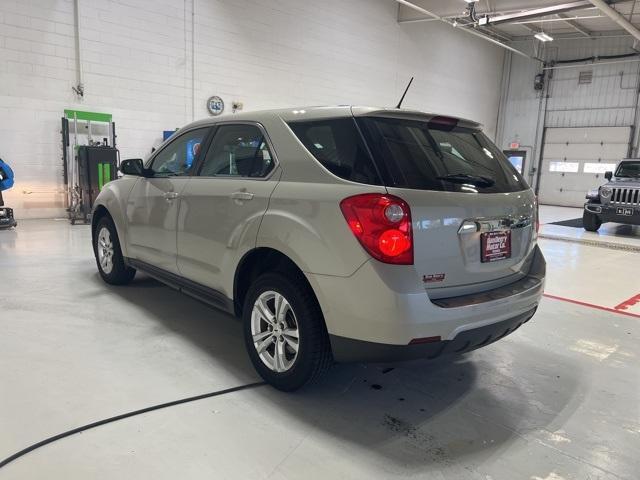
(470, 31)
(534, 13)
(568, 17)
(616, 17)
(489, 31)
(417, 8)
(530, 27)
(633, 7)
(532, 20)
(499, 34)
(575, 25)
(419, 20)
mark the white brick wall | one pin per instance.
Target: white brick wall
(266, 53)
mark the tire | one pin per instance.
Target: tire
(591, 222)
(109, 259)
(289, 371)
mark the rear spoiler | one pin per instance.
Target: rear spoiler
(416, 115)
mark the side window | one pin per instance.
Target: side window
(338, 146)
(178, 156)
(238, 151)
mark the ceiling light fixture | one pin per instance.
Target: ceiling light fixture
(543, 37)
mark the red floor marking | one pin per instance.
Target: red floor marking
(591, 305)
(628, 303)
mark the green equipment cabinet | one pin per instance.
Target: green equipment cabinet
(96, 167)
(89, 158)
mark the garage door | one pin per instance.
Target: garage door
(575, 159)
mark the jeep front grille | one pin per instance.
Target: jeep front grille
(626, 196)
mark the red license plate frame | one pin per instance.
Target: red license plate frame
(495, 246)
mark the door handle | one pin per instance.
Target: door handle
(242, 196)
(171, 196)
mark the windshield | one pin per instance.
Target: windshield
(438, 156)
(629, 169)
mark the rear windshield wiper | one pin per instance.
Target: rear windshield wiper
(476, 180)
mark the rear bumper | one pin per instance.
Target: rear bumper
(375, 315)
(629, 214)
(349, 350)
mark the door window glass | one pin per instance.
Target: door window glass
(179, 156)
(238, 151)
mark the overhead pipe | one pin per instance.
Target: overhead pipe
(79, 88)
(596, 64)
(424, 11)
(616, 17)
(193, 59)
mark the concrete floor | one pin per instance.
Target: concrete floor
(559, 399)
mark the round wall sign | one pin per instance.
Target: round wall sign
(215, 105)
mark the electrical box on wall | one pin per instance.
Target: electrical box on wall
(538, 82)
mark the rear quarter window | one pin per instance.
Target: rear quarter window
(339, 147)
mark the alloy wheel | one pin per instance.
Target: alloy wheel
(274, 330)
(105, 250)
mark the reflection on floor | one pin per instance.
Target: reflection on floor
(558, 399)
(612, 235)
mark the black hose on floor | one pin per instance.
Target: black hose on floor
(89, 426)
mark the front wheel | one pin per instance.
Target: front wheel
(590, 221)
(106, 247)
(284, 332)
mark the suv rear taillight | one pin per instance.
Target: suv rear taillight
(382, 225)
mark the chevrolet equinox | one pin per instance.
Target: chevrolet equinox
(336, 234)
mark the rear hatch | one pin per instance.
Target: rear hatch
(472, 213)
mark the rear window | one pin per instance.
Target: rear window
(629, 169)
(438, 156)
(339, 147)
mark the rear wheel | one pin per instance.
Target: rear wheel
(106, 247)
(284, 331)
(590, 221)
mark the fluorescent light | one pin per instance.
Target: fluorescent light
(543, 37)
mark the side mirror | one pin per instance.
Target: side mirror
(608, 175)
(133, 166)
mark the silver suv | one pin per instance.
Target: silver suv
(617, 201)
(335, 233)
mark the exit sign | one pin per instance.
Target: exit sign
(514, 145)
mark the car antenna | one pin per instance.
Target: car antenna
(405, 92)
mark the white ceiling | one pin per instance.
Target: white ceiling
(586, 21)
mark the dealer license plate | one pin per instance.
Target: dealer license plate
(624, 211)
(495, 246)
